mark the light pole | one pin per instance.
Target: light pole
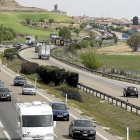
(127, 133)
(35, 81)
(66, 99)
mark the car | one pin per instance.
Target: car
(16, 45)
(82, 129)
(60, 110)
(1, 46)
(5, 94)
(28, 89)
(20, 44)
(7, 46)
(130, 91)
(19, 80)
(1, 84)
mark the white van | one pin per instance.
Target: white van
(34, 121)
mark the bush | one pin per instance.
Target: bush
(72, 79)
(29, 68)
(84, 44)
(9, 53)
(72, 94)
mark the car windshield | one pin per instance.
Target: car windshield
(4, 90)
(59, 106)
(28, 38)
(20, 78)
(37, 121)
(82, 123)
(29, 86)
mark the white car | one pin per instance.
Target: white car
(28, 89)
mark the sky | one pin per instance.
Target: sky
(92, 8)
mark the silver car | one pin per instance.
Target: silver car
(19, 80)
(28, 89)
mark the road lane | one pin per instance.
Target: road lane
(8, 113)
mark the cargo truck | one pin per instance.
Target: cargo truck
(30, 40)
(44, 52)
(34, 121)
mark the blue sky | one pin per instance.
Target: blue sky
(93, 8)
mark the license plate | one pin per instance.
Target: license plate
(3, 97)
(59, 116)
(132, 93)
(85, 134)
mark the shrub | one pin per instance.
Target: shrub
(29, 67)
(84, 44)
(72, 94)
(9, 53)
(72, 79)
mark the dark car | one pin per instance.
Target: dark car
(82, 129)
(5, 94)
(130, 91)
(19, 80)
(7, 46)
(1, 84)
(60, 110)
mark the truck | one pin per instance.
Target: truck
(30, 40)
(34, 121)
(37, 46)
(44, 52)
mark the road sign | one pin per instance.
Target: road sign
(132, 32)
(102, 26)
(125, 35)
(57, 42)
(61, 42)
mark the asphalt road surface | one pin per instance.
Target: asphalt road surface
(8, 112)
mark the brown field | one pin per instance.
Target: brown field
(121, 49)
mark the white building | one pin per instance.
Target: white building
(56, 11)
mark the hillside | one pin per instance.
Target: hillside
(13, 6)
(11, 19)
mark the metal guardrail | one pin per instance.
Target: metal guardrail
(96, 72)
(110, 99)
(103, 96)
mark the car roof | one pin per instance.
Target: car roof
(20, 76)
(131, 87)
(4, 87)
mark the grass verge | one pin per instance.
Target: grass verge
(104, 113)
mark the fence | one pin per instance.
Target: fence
(110, 99)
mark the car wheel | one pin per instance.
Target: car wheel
(73, 136)
(22, 93)
(126, 94)
(69, 134)
(34, 93)
(68, 119)
(9, 99)
(123, 94)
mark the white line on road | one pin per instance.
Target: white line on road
(7, 135)
(1, 124)
(18, 99)
(51, 101)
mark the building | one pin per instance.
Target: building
(56, 11)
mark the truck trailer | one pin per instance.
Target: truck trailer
(34, 121)
(30, 40)
(44, 52)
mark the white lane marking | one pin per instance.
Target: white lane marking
(55, 135)
(8, 73)
(18, 99)
(51, 101)
(1, 124)
(7, 135)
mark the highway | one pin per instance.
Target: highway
(8, 112)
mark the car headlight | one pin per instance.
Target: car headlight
(66, 113)
(93, 132)
(8, 95)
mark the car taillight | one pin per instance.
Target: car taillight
(128, 90)
(136, 90)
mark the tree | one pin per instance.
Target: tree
(77, 31)
(100, 42)
(134, 41)
(84, 43)
(92, 35)
(65, 33)
(41, 20)
(51, 21)
(89, 59)
(72, 23)
(135, 20)
(92, 43)
(116, 39)
(28, 20)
